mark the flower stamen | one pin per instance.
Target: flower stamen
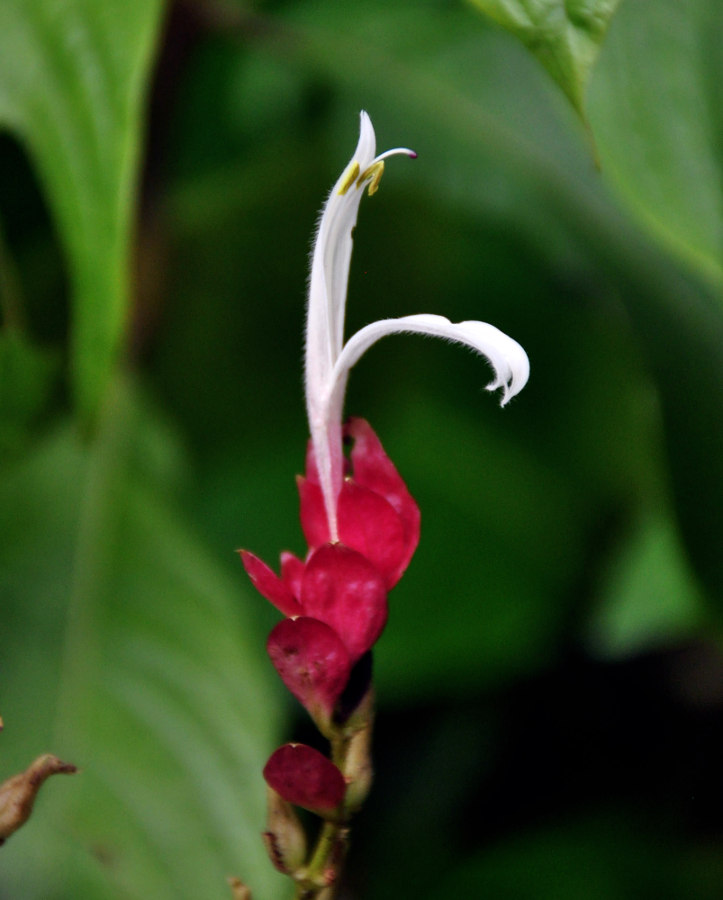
(349, 178)
(372, 174)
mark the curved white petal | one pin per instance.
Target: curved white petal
(325, 312)
(507, 357)
(330, 260)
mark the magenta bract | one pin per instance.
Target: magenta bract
(312, 513)
(312, 661)
(292, 571)
(305, 777)
(377, 515)
(342, 588)
(374, 470)
(370, 525)
(269, 585)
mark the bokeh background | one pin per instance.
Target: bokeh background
(550, 684)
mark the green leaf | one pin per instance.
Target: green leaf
(648, 598)
(564, 35)
(654, 104)
(26, 378)
(72, 84)
(128, 650)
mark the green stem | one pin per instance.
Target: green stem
(324, 848)
(322, 874)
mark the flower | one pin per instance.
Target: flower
(361, 526)
(360, 522)
(328, 359)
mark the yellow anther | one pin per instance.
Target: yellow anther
(374, 175)
(349, 179)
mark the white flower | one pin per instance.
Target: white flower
(329, 359)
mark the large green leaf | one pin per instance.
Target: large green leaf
(127, 650)
(73, 77)
(564, 35)
(26, 376)
(655, 107)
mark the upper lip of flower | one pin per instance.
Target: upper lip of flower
(329, 360)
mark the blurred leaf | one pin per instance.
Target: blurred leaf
(649, 597)
(602, 858)
(654, 103)
(26, 378)
(564, 35)
(72, 84)
(126, 650)
(503, 535)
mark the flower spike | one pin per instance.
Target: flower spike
(329, 360)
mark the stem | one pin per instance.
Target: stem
(324, 848)
(324, 869)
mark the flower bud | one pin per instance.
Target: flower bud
(358, 772)
(285, 838)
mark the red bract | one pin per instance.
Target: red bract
(305, 777)
(342, 588)
(377, 515)
(312, 661)
(312, 512)
(375, 471)
(292, 571)
(370, 525)
(269, 585)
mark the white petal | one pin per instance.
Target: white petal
(331, 257)
(330, 261)
(508, 359)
